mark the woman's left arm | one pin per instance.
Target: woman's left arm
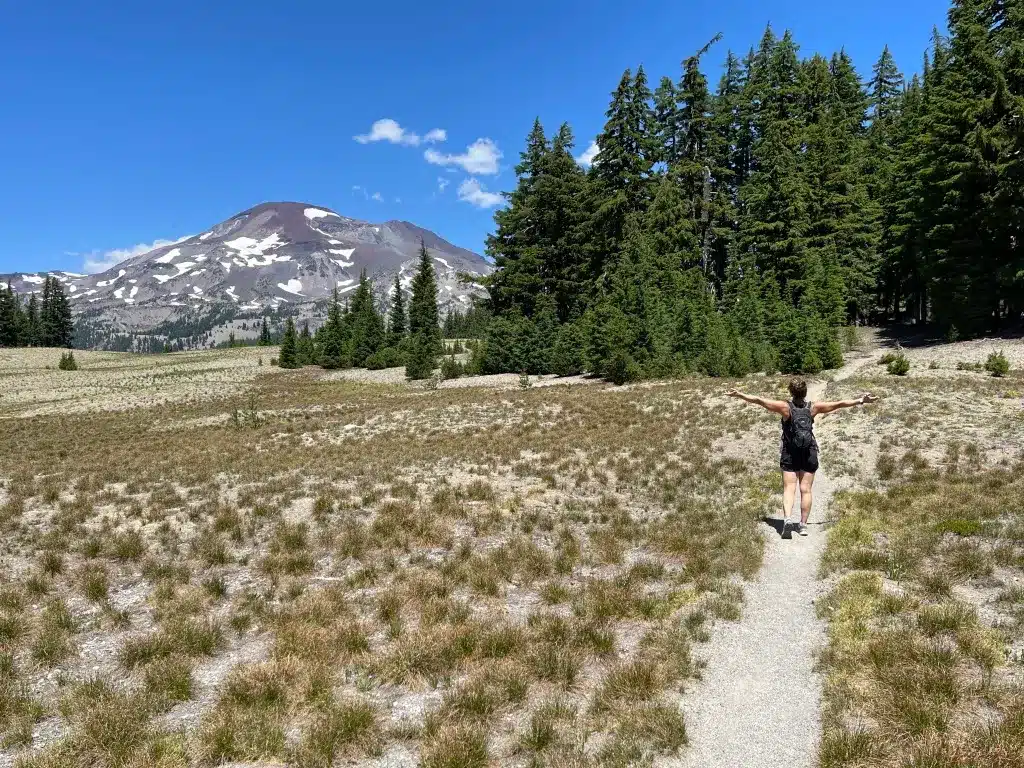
(819, 409)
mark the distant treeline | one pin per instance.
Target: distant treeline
(731, 231)
(38, 322)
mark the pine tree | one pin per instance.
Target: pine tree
(842, 222)
(368, 335)
(965, 270)
(561, 200)
(774, 220)
(9, 322)
(57, 324)
(306, 354)
(627, 150)
(46, 329)
(516, 278)
(32, 328)
(544, 336)
(265, 340)
(289, 357)
(424, 328)
(567, 357)
(885, 88)
(331, 345)
(397, 322)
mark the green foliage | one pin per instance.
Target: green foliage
(387, 357)
(421, 358)
(67, 362)
(424, 331)
(451, 368)
(567, 356)
(367, 333)
(398, 323)
(997, 364)
(265, 340)
(899, 365)
(289, 357)
(306, 351)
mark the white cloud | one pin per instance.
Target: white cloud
(471, 191)
(389, 130)
(101, 261)
(377, 196)
(482, 156)
(442, 183)
(398, 199)
(589, 155)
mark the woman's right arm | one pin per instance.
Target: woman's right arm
(775, 406)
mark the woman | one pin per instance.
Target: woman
(799, 448)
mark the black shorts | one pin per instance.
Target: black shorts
(799, 461)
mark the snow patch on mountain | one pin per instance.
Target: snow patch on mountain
(168, 257)
(316, 213)
(292, 286)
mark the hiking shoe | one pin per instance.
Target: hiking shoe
(801, 528)
(785, 526)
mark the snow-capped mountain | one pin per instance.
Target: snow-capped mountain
(269, 257)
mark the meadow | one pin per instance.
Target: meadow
(207, 560)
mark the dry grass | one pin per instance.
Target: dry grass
(348, 570)
(924, 664)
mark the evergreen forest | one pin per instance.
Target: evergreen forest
(735, 227)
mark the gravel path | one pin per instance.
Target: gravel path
(759, 702)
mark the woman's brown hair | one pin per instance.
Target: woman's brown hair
(798, 389)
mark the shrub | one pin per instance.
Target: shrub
(997, 364)
(621, 368)
(67, 362)
(273, 361)
(899, 365)
(964, 366)
(388, 357)
(851, 338)
(567, 356)
(451, 368)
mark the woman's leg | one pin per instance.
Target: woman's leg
(789, 482)
(806, 494)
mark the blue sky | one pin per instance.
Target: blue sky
(122, 123)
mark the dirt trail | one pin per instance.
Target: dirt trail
(759, 703)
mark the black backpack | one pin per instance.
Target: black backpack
(801, 430)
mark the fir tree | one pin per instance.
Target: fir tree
(424, 329)
(368, 335)
(774, 220)
(32, 325)
(289, 357)
(628, 151)
(331, 334)
(397, 321)
(9, 321)
(567, 358)
(516, 278)
(265, 340)
(306, 354)
(57, 324)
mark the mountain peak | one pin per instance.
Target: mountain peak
(268, 257)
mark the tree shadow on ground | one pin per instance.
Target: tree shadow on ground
(914, 336)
